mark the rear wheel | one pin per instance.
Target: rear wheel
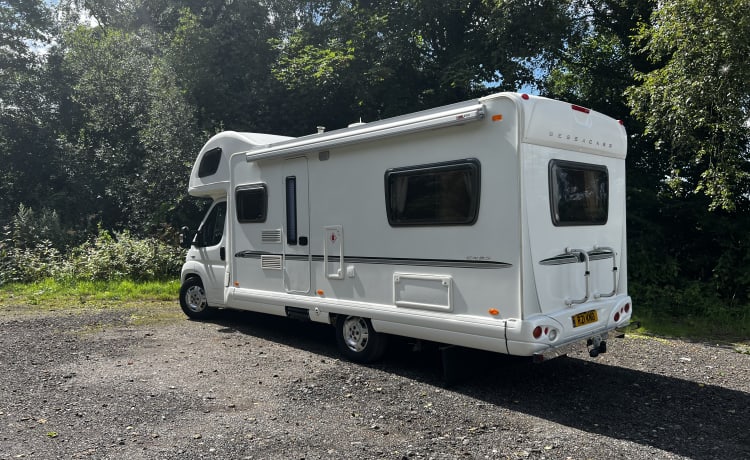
(193, 299)
(358, 341)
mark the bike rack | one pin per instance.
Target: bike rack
(614, 269)
(586, 257)
(580, 253)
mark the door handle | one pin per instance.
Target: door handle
(223, 253)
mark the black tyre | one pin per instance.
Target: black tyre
(193, 299)
(358, 341)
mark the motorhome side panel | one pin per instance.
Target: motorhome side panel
(451, 275)
(461, 271)
(256, 252)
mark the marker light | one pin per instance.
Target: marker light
(497, 117)
(525, 97)
(537, 332)
(493, 311)
(470, 115)
(580, 109)
(320, 292)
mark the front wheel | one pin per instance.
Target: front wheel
(193, 299)
(358, 341)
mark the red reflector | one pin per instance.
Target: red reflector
(580, 109)
(537, 332)
(617, 316)
(525, 97)
(627, 307)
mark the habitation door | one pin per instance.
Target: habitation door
(296, 226)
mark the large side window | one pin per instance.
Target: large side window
(434, 194)
(252, 203)
(579, 193)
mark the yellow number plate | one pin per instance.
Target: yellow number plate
(585, 318)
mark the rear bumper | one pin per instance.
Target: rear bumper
(557, 335)
(563, 350)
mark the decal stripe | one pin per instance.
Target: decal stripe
(384, 260)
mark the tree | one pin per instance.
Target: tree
(131, 135)
(171, 140)
(348, 59)
(221, 55)
(696, 102)
(24, 24)
(109, 71)
(25, 131)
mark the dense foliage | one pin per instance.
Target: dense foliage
(32, 250)
(104, 104)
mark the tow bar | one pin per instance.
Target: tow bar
(597, 346)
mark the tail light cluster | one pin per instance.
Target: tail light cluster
(545, 331)
(624, 310)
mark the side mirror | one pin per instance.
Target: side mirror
(186, 237)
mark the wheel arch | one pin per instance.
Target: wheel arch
(190, 270)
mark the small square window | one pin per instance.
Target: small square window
(252, 203)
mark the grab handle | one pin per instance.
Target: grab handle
(333, 248)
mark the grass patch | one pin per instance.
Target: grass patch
(51, 294)
(143, 303)
(720, 326)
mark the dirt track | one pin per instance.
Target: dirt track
(96, 384)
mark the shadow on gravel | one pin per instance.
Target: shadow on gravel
(678, 416)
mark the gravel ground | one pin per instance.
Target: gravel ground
(99, 384)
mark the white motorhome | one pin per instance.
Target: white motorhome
(496, 223)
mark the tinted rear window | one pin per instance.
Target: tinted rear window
(579, 193)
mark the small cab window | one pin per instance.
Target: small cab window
(210, 162)
(579, 193)
(435, 194)
(252, 203)
(212, 230)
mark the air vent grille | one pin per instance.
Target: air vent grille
(271, 236)
(270, 262)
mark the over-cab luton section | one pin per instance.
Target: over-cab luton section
(496, 224)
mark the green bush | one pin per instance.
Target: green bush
(121, 256)
(28, 264)
(30, 229)
(107, 257)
